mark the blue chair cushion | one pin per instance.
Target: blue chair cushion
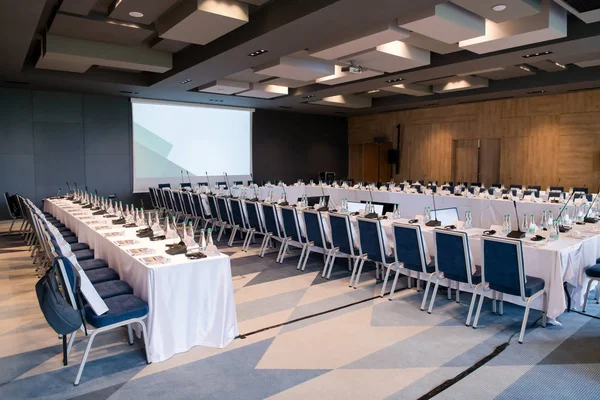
(63, 229)
(79, 246)
(593, 271)
(102, 275)
(70, 238)
(67, 233)
(96, 263)
(110, 289)
(598, 261)
(475, 278)
(58, 225)
(82, 255)
(430, 267)
(532, 286)
(120, 308)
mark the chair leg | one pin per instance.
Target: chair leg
(473, 300)
(458, 292)
(263, 247)
(476, 321)
(302, 256)
(545, 315)
(587, 294)
(11, 225)
(435, 289)
(85, 356)
(306, 259)
(387, 275)
(332, 261)
(145, 333)
(130, 334)
(362, 263)
(220, 232)
(71, 341)
(232, 236)
(524, 324)
(326, 264)
(396, 276)
(356, 262)
(425, 294)
(501, 304)
(284, 252)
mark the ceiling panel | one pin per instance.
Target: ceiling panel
(345, 101)
(299, 69)
(81, 7)
(224, 86)
(290, 83)
(461, 83)
(168, 45)
(151, 10)
(448, 23)
(392, 57)
(377, 93)
(588, 11)
(514, 8)
(548, 65)
(202, 21)
(589, 63)
(430, 44)
(99, 29)
(247, 75)
(264, 91)
(255, 2)
(482, 71)
(550, 23)
(506, 73)
(368, 39)
(411, 89)
(343, 77)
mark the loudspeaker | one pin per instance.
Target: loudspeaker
(392, 156)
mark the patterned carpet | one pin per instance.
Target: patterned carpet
(306, 337)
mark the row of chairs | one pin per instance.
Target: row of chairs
(56, 250)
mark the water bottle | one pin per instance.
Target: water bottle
(426, 216)
(532, 225)
(509, 223)
(202, 241)
(554, 231)
(544, 221)
(550, 219)
(524, 224)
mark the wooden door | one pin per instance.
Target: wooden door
(464, 160)
(375, 167)
(489, 161)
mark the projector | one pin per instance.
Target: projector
(353, 69)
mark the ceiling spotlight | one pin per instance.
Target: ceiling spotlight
(394, 80)
(183, 82)
(309, 96)
(543, 53)
(258, 52)
(524, 68)
(431, 104)
(499, 7)
(560, 65)
(537, 92)
(373, 91)
(136, 14)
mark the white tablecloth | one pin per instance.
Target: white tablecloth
(191, 301)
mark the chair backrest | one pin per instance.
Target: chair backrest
(271, 219)
(237, 213)
(478, 184)
(502, 265)
(198, 206)
(453, 255)
(291, 225)
(202, 183)
(185, 185)
(186, 199)
(219, 184)
(370, 236)
(497, 185)
(177, 201)
(254, 220)
(153, 200)
(164, 185)
(530, 192)
(341, 233)
(534, 187)
(238, 182)
(212, 204)
(313, 222)
(168, 196)
(516, 186)
(223, 210)
(554, 194)
(557, 188)
(580, 190)
(409, 248)
(9, 205)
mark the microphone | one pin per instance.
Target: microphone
(518, 234)
(96, 191)
(587, 219)
(434, 222)
(563, 228)
(208, 181)
(188, 175)
(228, 185)
(69, 186)
(181, 176)
(57, 193)
(373, 214)
(509, 190)
(284, 202)
(76, 187)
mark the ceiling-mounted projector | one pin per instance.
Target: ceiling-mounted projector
(353, 69)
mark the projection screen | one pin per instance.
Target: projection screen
(172, 139)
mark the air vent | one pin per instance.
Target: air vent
(17, 83)
(480, 101)
(584, 5)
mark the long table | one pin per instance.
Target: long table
(191, 302)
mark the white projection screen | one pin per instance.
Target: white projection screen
(170, 138)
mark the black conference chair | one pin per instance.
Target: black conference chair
(580, 190)
(557, 188)
(534, 187)
(164, 185)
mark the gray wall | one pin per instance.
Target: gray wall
(48, 138)
(288, 146)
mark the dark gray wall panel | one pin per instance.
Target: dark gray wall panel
(58, 137)
(56, 168)
(16, 176)
(290, 146)
(57, 107)
(106, 125)
(109, 173)
(16, 121)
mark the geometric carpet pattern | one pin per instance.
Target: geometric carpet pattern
(305, 337)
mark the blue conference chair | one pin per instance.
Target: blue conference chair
(224, 215)
(593, 273)
(199, 211)
(255, 225)
(453, 263)
(238, 217)
(410, 257)
(580, 190)
(534, 187)
(557, 189)
(503, 271)
(316, 240)
(164, 185)
(292, 233)
(371, 248)
(272, 229)
(342, 241)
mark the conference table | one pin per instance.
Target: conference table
(191, 302)
(557, 262)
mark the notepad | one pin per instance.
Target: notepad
(157, 260)
(102, 227)
(113, 234)
(140, 251)
(127, 242)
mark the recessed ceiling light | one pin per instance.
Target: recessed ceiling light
(542, 53)
(136, 14)
(309, 96)
(183, 82)
(499, 7)
(394, 80)
(560, 65)
(374, 91)
(537, 92)
(258, 52)
(524, 68)
(431, 104)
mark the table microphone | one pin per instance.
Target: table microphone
(57, 193)
(181, 176)
(188, 175)
(228, 185)
(591, 220)
(208, 181)
(563, 228)
(323, 191)
(69, 186)
(434, 222)
(518, 234)
(373, 214)
(284, 202)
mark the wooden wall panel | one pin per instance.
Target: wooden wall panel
(489, 161)
(531, 130)
(465, 160)
(369, 165)
(355, 161)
